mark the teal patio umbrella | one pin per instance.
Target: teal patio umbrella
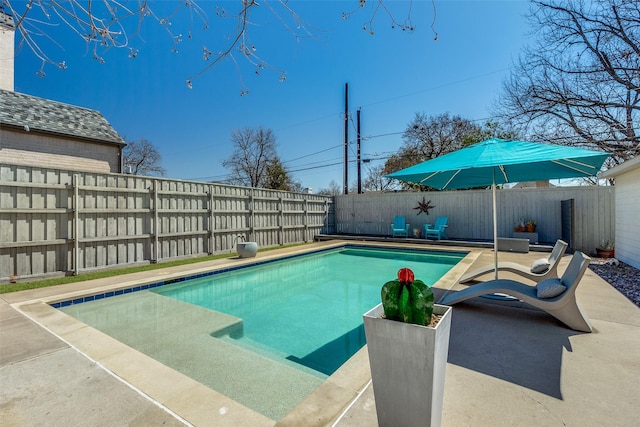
(497, 161)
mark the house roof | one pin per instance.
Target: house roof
(626, 166)
(6, 20)
(37, 114)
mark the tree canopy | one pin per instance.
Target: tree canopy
(254, 161)
(143, 158)
(579, 84)
(333, 189)
(278, 178)
(254, 149)
(427, 137)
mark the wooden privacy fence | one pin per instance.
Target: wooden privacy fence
(55, 221)
(471, 215)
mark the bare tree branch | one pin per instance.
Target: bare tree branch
(428, 137)
(107, 24)
(377, 181)
(143, 158)
(254, 150)
(580, 84)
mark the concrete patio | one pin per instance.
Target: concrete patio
(509, 364)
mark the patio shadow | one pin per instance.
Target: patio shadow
(329, 357)
(516, 343)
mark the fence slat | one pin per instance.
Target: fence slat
(54, 221)
(471, 216)
(76, 225)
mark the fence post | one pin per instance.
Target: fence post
(76, 225)
(156, 225)
(326, 216)
(306, 220)
(212, 223)
(281, 220)
(251, 216)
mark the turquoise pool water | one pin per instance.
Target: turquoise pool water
(307, 310)
(266, 336)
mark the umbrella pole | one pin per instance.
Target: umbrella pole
(495, 226)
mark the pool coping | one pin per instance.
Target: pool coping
(185, 398)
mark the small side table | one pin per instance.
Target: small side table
(533, 237)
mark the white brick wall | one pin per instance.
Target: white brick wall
(28, 148)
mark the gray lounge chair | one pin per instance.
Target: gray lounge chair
(524, 271)
(563, 307)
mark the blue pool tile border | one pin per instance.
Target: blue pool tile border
(138, 288)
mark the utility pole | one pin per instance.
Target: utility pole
(346, 140)
(358, 150)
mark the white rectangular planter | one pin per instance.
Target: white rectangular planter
(408, 364)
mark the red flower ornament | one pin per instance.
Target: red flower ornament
(405, 276)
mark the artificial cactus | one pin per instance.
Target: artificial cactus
(407, 300)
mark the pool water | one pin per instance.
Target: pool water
(267, 335)
(307, 310)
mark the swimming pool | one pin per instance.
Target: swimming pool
(266, 336)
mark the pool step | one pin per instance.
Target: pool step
(234, 330)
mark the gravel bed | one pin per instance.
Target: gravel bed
(623, 277)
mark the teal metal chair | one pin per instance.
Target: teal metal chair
(400, 227)
(437, 230)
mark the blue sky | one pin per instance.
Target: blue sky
(392, 75)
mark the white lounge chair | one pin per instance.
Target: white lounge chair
(530, 273)
(563, 307)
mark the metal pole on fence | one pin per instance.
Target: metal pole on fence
(252, 238)
(327, 229)
(281, 212)
(212, 224)
(306, 220)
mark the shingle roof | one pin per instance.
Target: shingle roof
(44, 115)
(6, 20)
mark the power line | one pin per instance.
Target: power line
(318, 167)
(308, 121)
(210, 178)
(371, 156)
(313, 154)
(382, 134)
(439, 86)
(340, 114)
(318, 162)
